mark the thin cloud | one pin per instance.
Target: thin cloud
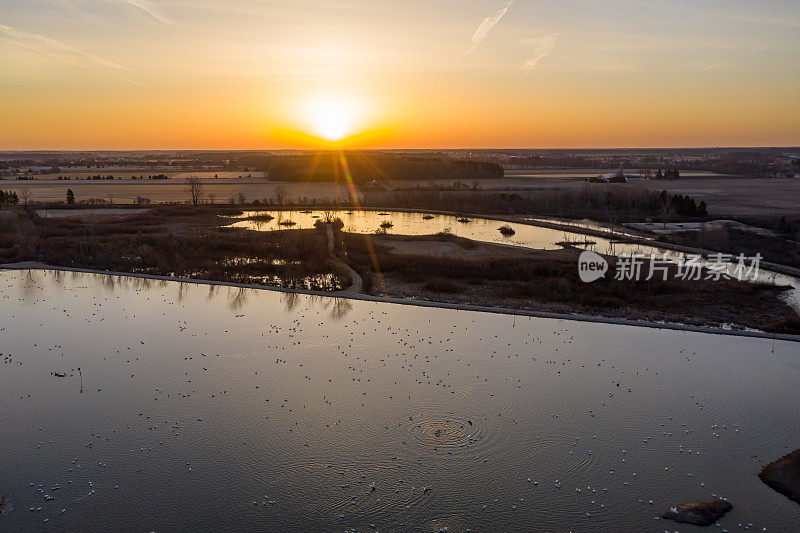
(69, 5)
(137, 83)
(710, 67)
(153, 10)
(763, 48)
(542, 47)
(54, 49)
(486, 26)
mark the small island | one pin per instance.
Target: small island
(783, 475)
(702, 513)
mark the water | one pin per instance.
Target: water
(487, 230)
(202, 408)
(589, 224)
(479, 229)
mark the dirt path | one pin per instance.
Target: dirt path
(357, 285)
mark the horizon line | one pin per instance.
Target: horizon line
(431, 149)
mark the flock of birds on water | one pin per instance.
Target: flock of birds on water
(288, 410)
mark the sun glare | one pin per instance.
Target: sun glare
(332, 118)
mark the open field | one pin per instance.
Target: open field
(726, 196)
(126, 191)
(735, 196)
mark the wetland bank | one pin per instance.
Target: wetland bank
(425, 257)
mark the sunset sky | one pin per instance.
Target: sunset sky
(267, 74)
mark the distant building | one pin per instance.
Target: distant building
(614, 177)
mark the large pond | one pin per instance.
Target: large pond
(189, 407)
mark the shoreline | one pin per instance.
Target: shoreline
(514, 219)
(566, 226)
(422, 303)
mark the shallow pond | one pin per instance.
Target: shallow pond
(487, 230)
(479, 229)
(207, 408)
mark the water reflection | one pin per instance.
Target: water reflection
(237, 298)
(486, 230)
(291, 412)
(402, 223)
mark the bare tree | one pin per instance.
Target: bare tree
(666, 211)
(281, 194)
(328, 216)
(612, 215)
(194, 188)
(212, 198)
(25, 194)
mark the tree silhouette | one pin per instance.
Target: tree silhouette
(280, 194)
(194, 188)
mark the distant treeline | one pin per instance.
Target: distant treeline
(365, 167)
(741, 162)
(685, 205)
(603, 203)
(98, 177)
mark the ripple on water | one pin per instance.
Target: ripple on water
(434, 429)
(451, 524)
(583, 463)
(379, 504)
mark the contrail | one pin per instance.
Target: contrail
(543, 47)
(153, 10)
(54, 49)
(487, 25)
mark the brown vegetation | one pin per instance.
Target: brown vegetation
(442, 285)
(549, 281)
(734, 241)
(507, 231)
(702, 513)
(174, 241)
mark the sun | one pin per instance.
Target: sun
(332, 118)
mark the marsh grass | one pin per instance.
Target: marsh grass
(263, 217)
(551, 279)
(442, 285)
(506, 231)
(174, 242)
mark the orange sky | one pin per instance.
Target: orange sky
(137, 74)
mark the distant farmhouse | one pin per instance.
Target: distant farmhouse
(614, 177)
(643, 174)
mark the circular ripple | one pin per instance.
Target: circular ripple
(451, 524)
(445, 430)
